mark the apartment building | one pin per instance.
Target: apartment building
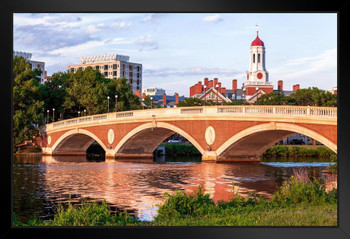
(39, 65)
(113, 66)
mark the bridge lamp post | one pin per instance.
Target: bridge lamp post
(205, 98)
(116, 100)
(78, 113)
(143, 100)
(108, 103)
(151, 102)
(85, 112)
(53, 114)
(48, 117)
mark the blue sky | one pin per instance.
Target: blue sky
(178, 50)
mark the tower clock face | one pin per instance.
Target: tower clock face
(260, 75)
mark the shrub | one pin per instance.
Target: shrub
(294, 191)
(182, 204)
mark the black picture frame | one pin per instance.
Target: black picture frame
(342, 8)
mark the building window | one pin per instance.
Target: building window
(253, 58)
(138, 75)
(137, 87)
(106, 73)
(72, 70)
(114, 73)
(80, 68)
(115, 66)
(130, 74)
(138, 68)
(138, 82)
(259, 58)
(106, 67)
(130, 81)
(130, 67)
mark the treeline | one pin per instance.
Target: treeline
(82, 93)
(303, 97)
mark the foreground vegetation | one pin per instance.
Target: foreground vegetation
(297, 203)
(295, 151)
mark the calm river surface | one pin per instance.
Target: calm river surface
(40, 183)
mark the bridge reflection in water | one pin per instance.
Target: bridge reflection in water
(220, 133)
(134, 185)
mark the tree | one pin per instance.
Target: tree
(126, 99)
(313, 97)
(54, 93)
(27, 102)
(273, 98)
(237, 102)
(191, 102)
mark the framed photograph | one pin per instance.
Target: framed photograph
(193, 119)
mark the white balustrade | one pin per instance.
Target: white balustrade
(322, 113)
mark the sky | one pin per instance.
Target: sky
(179, 49)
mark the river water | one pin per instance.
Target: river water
(40, 183)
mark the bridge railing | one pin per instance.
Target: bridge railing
(322, 113)
(282, 110)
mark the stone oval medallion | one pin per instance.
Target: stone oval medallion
(210, 135)
(110, 136)
(49, 140)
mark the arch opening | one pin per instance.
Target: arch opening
(143, 141)
(251, 143)
(77, 142)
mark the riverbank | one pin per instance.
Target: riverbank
(299, 151)
(297, 203)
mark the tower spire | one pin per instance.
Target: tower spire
(257, 29)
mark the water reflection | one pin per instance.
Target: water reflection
(41, 182)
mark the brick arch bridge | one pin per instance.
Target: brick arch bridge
(218, 132)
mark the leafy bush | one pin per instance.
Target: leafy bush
(182, 204)
(294, 151)
(294, 191)
(181, 150)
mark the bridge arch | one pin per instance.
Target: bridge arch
(76, 141)
(247, 141)
(160, 131)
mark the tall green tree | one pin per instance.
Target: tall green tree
(28, 105)
(54, 93)
(126, 99)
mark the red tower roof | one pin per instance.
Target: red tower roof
(257, 41)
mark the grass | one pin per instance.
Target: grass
(297, 203)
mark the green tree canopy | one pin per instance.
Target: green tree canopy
(191, 102)
(27, 103)
(304, 97)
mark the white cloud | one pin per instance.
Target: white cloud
(152, 17)
(94, 28)
(213, 18)
(120, 24)
(320, 70)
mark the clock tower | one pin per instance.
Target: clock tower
(257, 75)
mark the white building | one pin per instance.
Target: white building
(39, 65)
(113, 66)
(153, 91)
